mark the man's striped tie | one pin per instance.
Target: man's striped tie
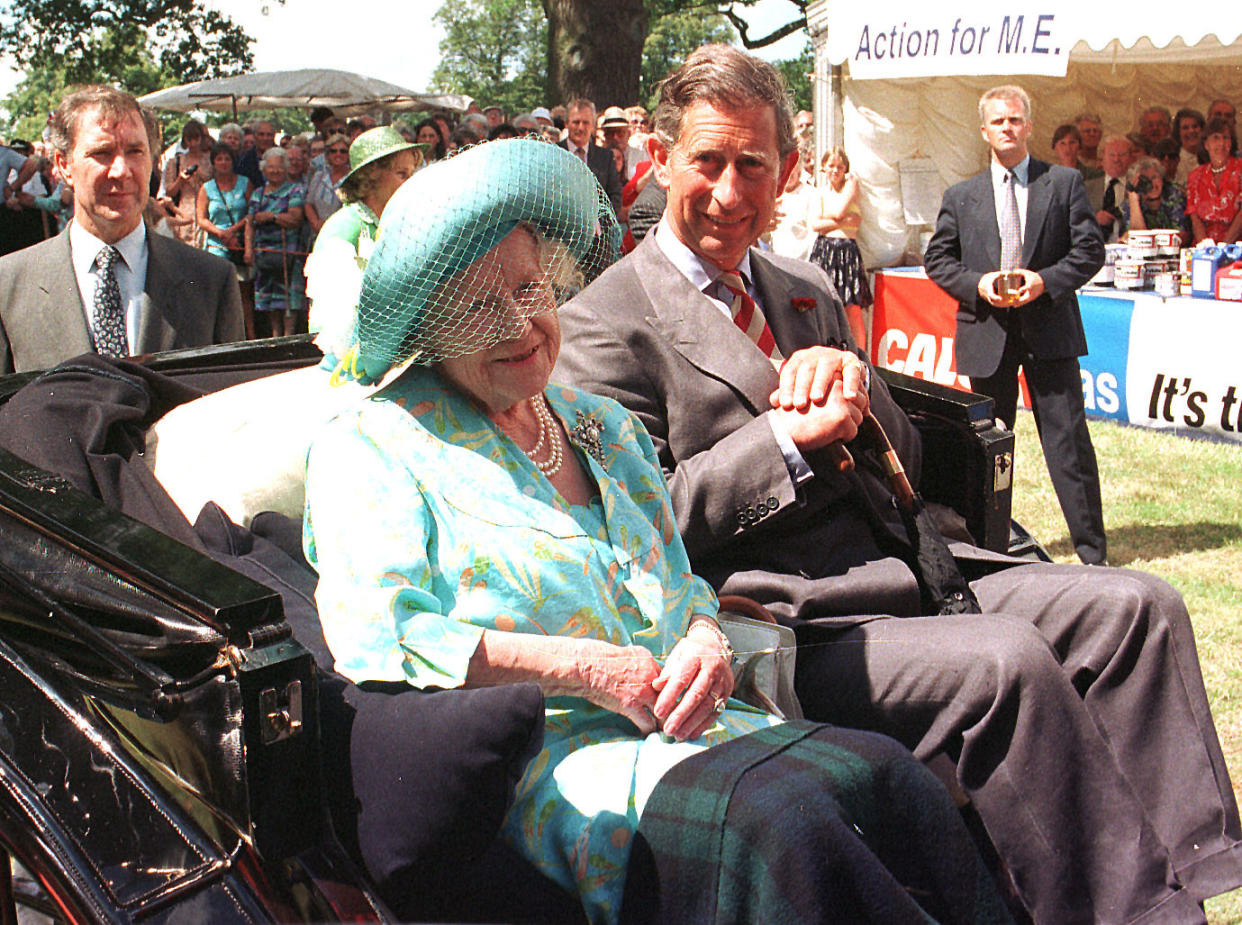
(748, 316)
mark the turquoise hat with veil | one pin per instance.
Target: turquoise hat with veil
(448, 216)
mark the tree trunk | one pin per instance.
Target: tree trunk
(595, 50)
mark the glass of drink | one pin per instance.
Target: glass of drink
(1008, 285)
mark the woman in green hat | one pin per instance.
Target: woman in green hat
(380, 160)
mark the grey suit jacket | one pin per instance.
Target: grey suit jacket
(644, 335)
(1095, 191)
(191, 299)
(1061, 242)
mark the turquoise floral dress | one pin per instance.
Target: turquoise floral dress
(428, 525)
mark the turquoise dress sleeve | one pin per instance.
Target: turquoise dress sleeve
(386, 615)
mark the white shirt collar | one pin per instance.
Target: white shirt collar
(130, 271)
(85, 247)
(701, 273)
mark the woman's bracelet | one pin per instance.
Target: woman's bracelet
(713, 627)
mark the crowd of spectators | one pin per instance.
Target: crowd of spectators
(1174, 170)
(258, 197)
(817, 219)
(37, 203)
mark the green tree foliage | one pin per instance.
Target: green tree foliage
(117, 56)
(796, 72)
(89, 39)
(138, 45)
(672, 37)
(494, 51)
(497, 51)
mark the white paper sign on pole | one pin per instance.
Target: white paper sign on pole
(914, 38)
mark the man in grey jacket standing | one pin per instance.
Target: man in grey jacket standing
(106, 283)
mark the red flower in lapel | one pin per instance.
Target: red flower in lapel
(803, 305)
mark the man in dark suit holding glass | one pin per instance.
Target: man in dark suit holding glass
(1013, 245)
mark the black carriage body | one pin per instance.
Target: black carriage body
(159, 743)
(967, 457)
(159, 738)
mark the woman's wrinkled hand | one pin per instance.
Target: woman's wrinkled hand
(696, 676)
(620, 679)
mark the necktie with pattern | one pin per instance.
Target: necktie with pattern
(107, 318)
(748, 317)
(1011, 226)
(1110, 196)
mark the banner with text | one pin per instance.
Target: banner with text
(920, 39)
(1182, 373)
(1162, 363)
(1106, 318)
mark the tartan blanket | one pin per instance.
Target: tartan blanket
(805, 822)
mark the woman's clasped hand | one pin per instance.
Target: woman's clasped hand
(694, 684)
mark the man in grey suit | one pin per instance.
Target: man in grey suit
(1031, 219)
(1073, 708)
(105, 283)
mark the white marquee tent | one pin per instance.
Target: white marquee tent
(909, 89)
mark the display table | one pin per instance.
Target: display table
(1154, 362)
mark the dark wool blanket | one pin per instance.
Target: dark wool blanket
(806, 823)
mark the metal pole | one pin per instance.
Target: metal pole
(837, 96)
(827, 97)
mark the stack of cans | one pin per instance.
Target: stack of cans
(1151, 260)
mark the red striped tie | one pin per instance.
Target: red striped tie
(748, 316)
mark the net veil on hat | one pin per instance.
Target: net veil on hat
(448, 216)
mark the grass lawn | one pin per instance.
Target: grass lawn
(1173, 507)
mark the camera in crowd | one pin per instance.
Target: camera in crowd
(1142, 186)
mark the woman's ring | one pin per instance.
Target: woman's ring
(718, 705)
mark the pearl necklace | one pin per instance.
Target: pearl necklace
(547, 434)
(1220, 169)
